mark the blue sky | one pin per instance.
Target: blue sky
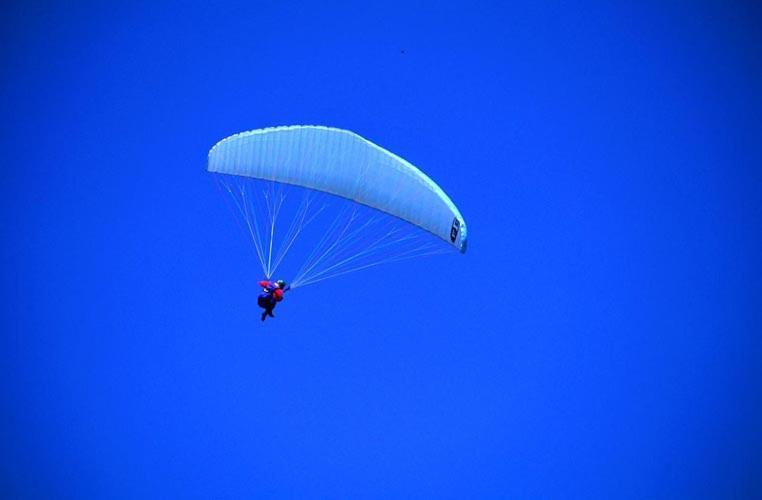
(600, 339)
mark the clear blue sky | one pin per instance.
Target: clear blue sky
(600, 339)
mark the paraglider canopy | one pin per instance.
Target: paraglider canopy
(342, 163)
(389, 205)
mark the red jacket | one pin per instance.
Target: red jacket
(272, 289)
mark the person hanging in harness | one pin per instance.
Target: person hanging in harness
(272, 293)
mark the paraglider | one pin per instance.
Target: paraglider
(352, 204)
(272, 293)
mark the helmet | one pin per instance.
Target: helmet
(281, 284)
